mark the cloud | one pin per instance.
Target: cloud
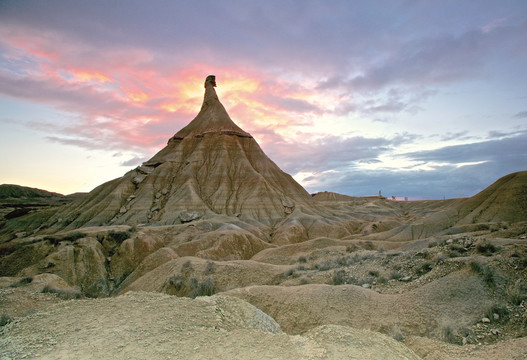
(510, 149)
(133, 161)
(520, 115)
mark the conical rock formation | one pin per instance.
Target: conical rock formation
(209, 167)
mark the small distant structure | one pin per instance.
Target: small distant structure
(406, 198)
(380, 195)
(393, 197)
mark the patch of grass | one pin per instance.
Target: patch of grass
(21, 282)
(302, 259)
(373, 273)
(486, 248)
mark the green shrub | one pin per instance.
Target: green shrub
(5, 319)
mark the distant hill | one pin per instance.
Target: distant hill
(9, 191)
(16, 200)
(505, 200)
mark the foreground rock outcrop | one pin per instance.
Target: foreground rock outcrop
(156, 326)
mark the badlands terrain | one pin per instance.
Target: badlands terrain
(209, 250)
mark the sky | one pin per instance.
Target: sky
(418, 99)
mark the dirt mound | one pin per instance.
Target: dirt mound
(456, 300)
(430, 349)
(155, 326)
(176, 276)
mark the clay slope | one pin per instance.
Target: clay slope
(505, 200)
(457, 300)
(156, 326)
(209, 167)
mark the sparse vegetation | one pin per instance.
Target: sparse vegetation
(424, 268)
(186, 267)
(289, 272)
(302, 259)
(396, 275)
(210, 268)
(339, 277)
(484, 271)
(176, 281)
(500, 310)
(448, 334)
(516, 292)
(55, 240)
(206, 287)
(65, 294)
(118, 236)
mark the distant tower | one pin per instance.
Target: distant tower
(380, 195)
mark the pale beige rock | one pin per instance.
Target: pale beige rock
(155, 326)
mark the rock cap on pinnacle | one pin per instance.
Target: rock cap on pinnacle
(212, 118)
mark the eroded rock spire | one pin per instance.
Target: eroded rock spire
(212, 118)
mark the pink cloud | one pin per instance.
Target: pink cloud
(126, 99)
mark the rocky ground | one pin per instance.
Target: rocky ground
(461, 296)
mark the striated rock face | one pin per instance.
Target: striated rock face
(209, 167)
